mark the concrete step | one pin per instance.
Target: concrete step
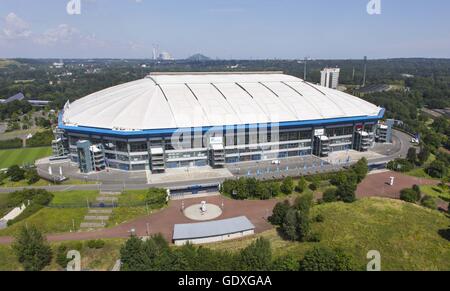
(100, 211)
(100, 218)
(107, 199)
(110, 193)
(92, 225)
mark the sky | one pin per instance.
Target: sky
(225, 29)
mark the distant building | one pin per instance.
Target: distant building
(165, 56)
(21, 97)
(17, 97)
(330, 77)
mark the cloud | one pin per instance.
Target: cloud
(15, 28)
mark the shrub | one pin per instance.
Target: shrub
(346, 192)
(424, 155)
(95, 244)
(429, 202)
(156, 196)
(320, 218)
(286, 263)
(330, 195)
(11, 144)
(287, 186)
(41, 139)
(437, 169)
(256, 257)
(15, 173)
(325, 259)
(314, 237)
(412, 155)
(409, 195)
(61, 256)
(301, 186)
(32, 176)
(400, 165)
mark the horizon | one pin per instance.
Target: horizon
(225, 30)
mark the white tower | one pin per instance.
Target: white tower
(330, 77)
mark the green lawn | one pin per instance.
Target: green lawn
(50, 220)
(73, 198)
(407, 236)
(436, 192)
(22, 156)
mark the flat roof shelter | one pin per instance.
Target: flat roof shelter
(212, 231)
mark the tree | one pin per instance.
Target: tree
(15, 173)
(289, 226)
(361, 169)
(412, 155)
(437, 169)
(301, 186)
(256, 257)
(424, 155)
(132, 255)
(330, 195)
(303, 226)
(287, 186)
(325, 259)
(32, 249)
(304, 203)
(346, 192)
(279, 213)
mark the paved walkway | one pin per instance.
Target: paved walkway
(378, 185)
(257, 211)
(164, 221)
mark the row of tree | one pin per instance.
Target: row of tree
(155, 254)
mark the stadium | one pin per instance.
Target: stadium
(182, 120)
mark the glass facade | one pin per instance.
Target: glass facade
(243, 145)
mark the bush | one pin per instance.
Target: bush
(330, 195)
(95, 244)
(424, 155)
(287, 187)
(412, 155)
(15, 173)
(400, 165)
(61, 256)
(11, 144)
(429, 202)
(156, 196)
(32, 249)
(32, 176)
(320, 218)
(437, 169)
(286, 263)
(346, 192)
(256, 257)
(301, 186)
(41, 139)
(325, 259)
(409, 195)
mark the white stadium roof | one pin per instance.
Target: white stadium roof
(185, 100)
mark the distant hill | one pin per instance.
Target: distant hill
(4, 63)
(198, 58)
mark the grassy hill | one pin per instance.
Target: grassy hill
(408, 237)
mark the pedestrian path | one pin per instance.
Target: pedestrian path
(97, 218)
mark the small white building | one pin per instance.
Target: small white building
(212, 231)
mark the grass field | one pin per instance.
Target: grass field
(437, 192)
(408, 236)
(22, 156)
(50, 220)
